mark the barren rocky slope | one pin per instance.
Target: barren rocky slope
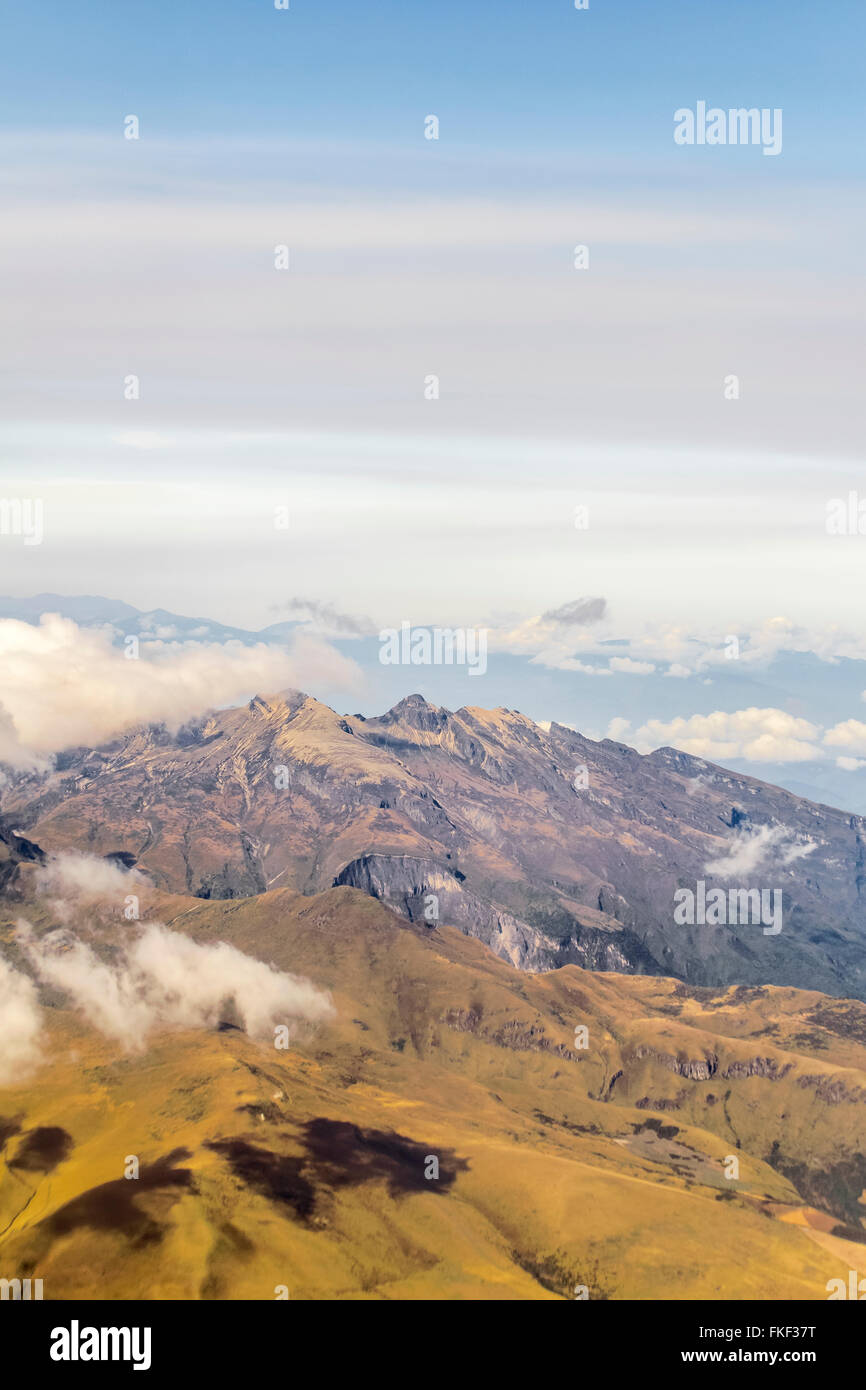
(547, 846)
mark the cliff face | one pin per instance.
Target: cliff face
(422, 891)
(548, 847)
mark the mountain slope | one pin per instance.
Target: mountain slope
(559, 1165)
(547, 846)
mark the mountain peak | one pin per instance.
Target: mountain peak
(415, 710)
(415, 701)
(277, 702)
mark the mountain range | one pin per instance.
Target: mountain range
(533, 1084)
(549, 847)
(798, 681)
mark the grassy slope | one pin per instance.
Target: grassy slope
(549, 1175)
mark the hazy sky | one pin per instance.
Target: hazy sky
(454, 257)
(303, 389)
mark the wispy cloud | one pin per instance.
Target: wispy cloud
(750, 849)
(158, 980)
(20, 1024)
(76, 884)
(326, 618)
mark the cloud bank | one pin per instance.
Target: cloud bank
(62, 685)
(755, 734)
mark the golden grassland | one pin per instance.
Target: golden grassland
(559, 1166)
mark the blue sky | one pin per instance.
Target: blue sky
(507, 75)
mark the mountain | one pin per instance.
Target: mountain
(90, 610)
(86, 609)
(822, 691)
(695, 1144)
(550, 848)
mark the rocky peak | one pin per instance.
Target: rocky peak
(278, 703)
(417, 713)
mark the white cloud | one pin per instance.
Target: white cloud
(162, 979)
(797, 849)
(64, 686)
(583, 667)
(84, 882)
(625, 665)
(694, 784)
(682, 651)
(757, 735)
(750, 849)
(850, 734)
(459, 224)
(619, 729)
(20, 1024)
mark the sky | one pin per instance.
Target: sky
(582, 437)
